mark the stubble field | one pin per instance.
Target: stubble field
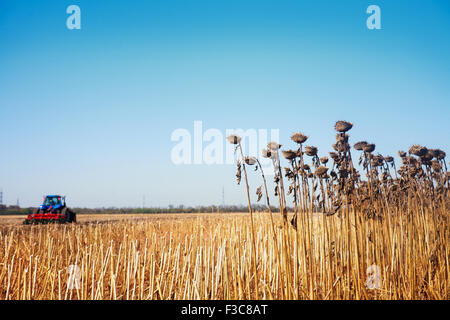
(209, 256)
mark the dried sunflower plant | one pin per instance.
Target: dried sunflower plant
(371, 208)
(241, 162)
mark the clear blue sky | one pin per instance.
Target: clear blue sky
(89, 113)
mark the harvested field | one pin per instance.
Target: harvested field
(210, 257)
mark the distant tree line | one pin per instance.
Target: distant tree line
(170, 209)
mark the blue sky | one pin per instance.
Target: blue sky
(89, 113)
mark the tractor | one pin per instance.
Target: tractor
(52, 210)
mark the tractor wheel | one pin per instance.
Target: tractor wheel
(66, 212)
(70, 215)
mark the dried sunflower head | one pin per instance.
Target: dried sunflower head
(370, 147)
(427, 157)
(409, 160)
(324, 160)
(437, 153)
(377, 161)
(334, 156)
(299, 138)
(389, 159)
(311, 151)
(289, 154)
(234, 139)
(418, 150)
(433, 153)
(343, 126)
(273, 146)
(321, 171)
(266, 153)
(440, 155)
(360, 145)
(250, 160)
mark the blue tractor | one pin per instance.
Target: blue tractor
(52, 210)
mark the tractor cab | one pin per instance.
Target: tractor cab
(53, 202)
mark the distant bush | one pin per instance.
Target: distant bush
(15, 211)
